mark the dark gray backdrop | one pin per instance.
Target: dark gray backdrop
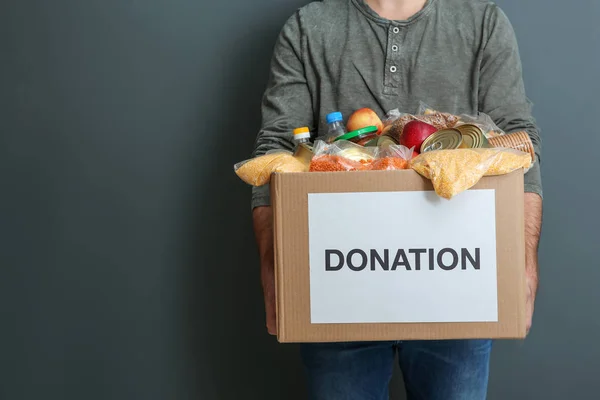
(128, 268)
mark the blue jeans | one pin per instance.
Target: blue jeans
(432, 370)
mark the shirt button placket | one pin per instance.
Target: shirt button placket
(392, 59)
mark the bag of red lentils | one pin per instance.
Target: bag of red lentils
(392, 157)
(342, 155)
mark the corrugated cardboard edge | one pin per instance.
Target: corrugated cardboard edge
(519, 218)
(278, 255)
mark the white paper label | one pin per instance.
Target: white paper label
(402, 257)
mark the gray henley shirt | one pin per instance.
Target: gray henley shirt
(457, 56)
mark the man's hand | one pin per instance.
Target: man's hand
(263, 230)
(533, 227)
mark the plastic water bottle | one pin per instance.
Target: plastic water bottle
(303, 150)
(301, 135)
(336, 126)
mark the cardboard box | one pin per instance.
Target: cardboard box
(377, 255)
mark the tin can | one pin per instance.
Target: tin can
(444, 139)
(473, 137)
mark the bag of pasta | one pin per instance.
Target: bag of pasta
(257, 171)
(454, 171)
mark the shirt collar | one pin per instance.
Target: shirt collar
(370, 13)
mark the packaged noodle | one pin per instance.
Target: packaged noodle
(454, 171)
(257, 171)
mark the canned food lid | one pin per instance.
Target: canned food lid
(357, 133)
(473, 136)
(443, 139)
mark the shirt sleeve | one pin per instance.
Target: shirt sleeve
(287, 102)
(501, 88)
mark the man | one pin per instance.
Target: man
(458, 56)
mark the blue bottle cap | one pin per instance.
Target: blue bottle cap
(334, 117)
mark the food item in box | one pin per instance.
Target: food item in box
(415, 132)
(361, 136)
(506, 160)
(444, 139)
(332, 163)
(517, 140)
(341, 156)
(335, 127)
(362, 118)
(440, 120)
(301, 135)
(304, 153)
(389, 119)
(482, 120)
(437, 119)
(454, 171)
(473, 136)
(450, 171)
(388, 164)
(392, 157)
(257, 171)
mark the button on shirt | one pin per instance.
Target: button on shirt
(338, 55)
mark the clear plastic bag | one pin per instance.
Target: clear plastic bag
(341, 156)
(482, 120)
(396, 121)
(257, 171)
(391, 117)
(454, 171)
(393, 157)
(515, 140)
(439, 119)
(505, 160)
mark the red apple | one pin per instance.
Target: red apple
(363, 118)
(415, 133)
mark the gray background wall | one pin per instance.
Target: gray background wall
(127, 263)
